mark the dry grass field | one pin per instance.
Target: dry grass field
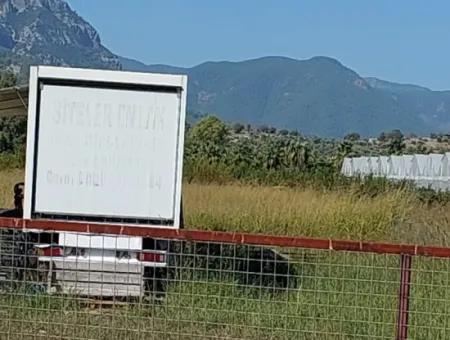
(395, 216)
(295, 212)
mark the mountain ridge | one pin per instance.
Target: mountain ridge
(317, 96)
(428, 108)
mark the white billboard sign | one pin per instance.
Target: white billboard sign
(105, 146)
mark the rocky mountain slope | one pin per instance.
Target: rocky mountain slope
(49, 32)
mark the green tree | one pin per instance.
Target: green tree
(395, 142)
(298, 154)
(345, 149)
(263, 128)
(210, 130)
(208, 139)
(353, 136)
(272, 130)
(238, 128)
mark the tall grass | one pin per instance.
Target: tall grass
(371, 210)
(295, 212)
(391, 215)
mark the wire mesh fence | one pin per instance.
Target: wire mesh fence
(189, 285)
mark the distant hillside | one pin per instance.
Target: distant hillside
(432, 107)
(318, 96)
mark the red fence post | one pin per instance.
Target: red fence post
(403, 297)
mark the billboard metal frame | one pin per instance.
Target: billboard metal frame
(101, 79)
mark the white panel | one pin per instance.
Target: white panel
(446, 165)
(408, 166)
(426, 171)
(395, 166)
(436, 164)
(356, 165)
(365, 170)
(384, 165)
(361, 166)
(100, 241)
(422, 165)
(106, 152)
(375, 166)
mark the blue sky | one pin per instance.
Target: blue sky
(399, 40)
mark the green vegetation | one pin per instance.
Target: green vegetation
(218, 153)
(339, 295)
(261, 180)
(12, 142)
(284, 184)
(12, 132)
(202, 306)
(214, 153)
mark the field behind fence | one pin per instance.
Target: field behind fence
(234, 286)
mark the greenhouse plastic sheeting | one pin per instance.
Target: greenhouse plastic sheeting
(408, 166)
(422, 165)
(446, 165)
(435, 165)
(396, 167)
(361, 166)
(427, 171)
(375, 167)
(384, 165)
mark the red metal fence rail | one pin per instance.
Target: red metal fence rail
(226, 237)
(216, 256)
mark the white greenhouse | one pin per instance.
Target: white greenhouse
(430, 171)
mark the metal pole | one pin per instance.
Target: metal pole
(403, 297)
